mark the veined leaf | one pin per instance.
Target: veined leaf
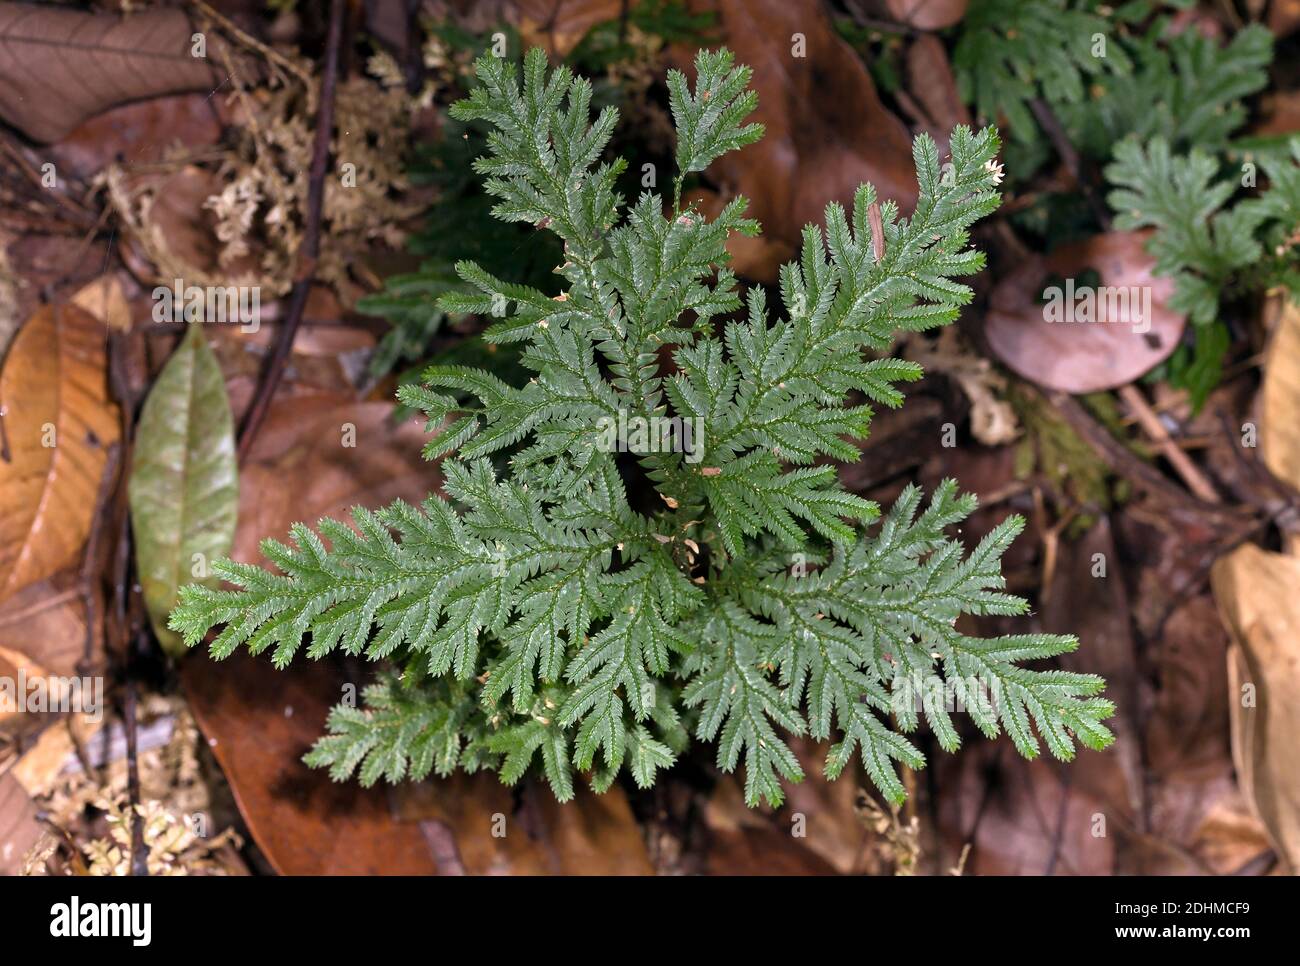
(59, 424)
(184, 485)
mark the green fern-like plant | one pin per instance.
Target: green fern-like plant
(1106, 72)
(589, 599)
(1216, 242)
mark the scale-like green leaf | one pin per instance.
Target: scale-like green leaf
(537, 609)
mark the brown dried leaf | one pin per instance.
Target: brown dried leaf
(146, 132)
(1087, 598)
(930, 80)
(300, 468)
(1255, 590)
(12, 664)
(1279, 399)
(104, 299)
(46, 622)
(590, 835)
(928, 14)
(827, 129)
(559, 25)
(1081, 357)
(59, 67)
(818, 830)
(59, 423)
(19, 829)
(742, 841)
(259, 722)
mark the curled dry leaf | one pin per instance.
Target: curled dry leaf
(59, 67)
(1078, 338)
(58, 424)
(184, 484)
(827, 129)
(1255, 591)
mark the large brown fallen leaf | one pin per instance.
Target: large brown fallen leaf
(817, 831)
(1094, 606)
(1279, 398)
(930, 80)
(1194, 801)
(259, 722)
(143, 132)
(1025, 817)
(827, 129)
(59, 67)
(536, 835)
(59, 423)
(1256, 593)
(1042, 817)
(1084, 356)
(301, 469)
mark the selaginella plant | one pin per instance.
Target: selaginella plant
(640, 542)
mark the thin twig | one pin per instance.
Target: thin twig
(76, 213)
(310, 249)
(139, 854)
(1123, 461)
(1182, 463)
(271, 54)
(119, 387)
(90, 565)
(39, 607)
(1062, 813)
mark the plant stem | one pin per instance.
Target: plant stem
(310, 250)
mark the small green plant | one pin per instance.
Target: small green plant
(1217, 245)
(1130, 90)
(586, 595)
